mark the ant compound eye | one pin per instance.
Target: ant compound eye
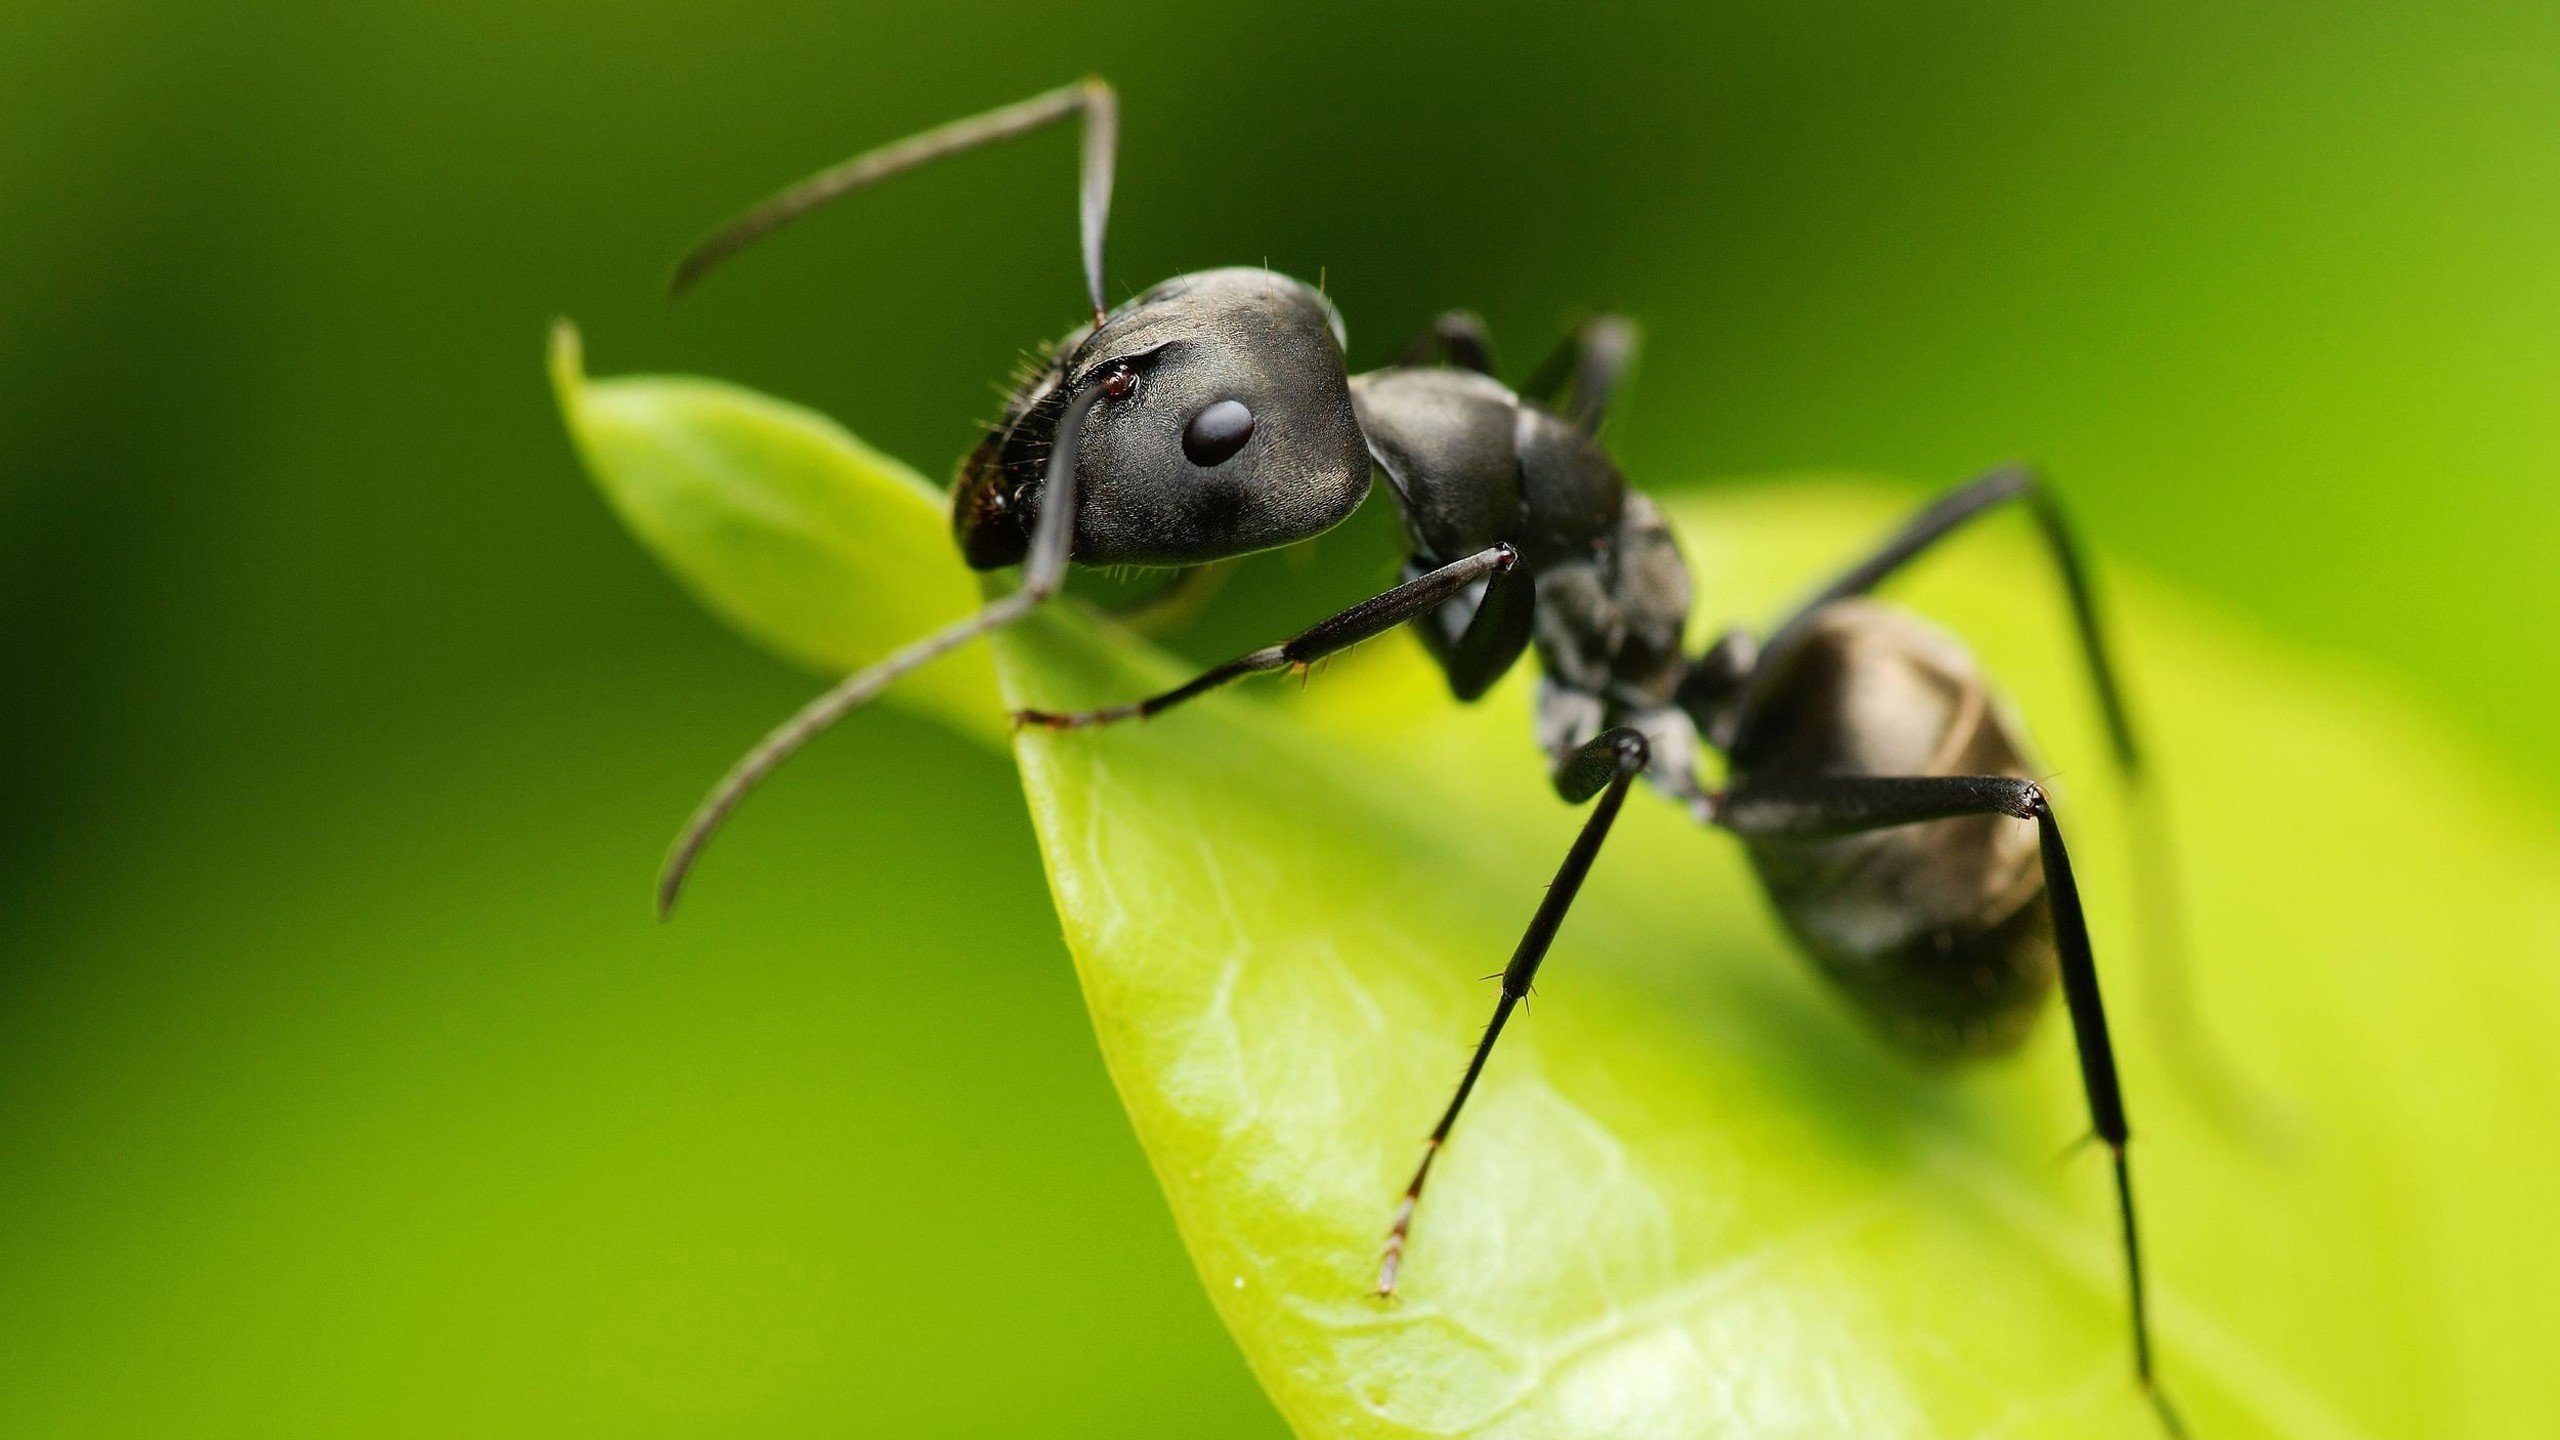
(1217, 432)
(1119, 382)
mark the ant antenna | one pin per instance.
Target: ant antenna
(1044, 570)
(1090, 98)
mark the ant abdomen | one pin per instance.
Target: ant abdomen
(1938, 930)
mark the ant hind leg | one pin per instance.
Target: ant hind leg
(2205, 1069)
(1827, 807)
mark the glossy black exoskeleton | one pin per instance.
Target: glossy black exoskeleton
(1883, 797)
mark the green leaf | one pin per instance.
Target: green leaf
(810, 542)
(1694, 1196)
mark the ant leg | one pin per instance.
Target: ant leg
(1949, 513)
(1589, 363)
(1044, 569)
(1370, 618)
(1831, 806)
(1456, 337)
(1478, 646)
(2207, 1072)
(1605, 767)
(1581, 375)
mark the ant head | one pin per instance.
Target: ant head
(1224, 427)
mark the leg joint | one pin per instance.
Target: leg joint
(1608, 757)
(1629, 746)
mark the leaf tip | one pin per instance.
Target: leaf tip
(568, 359)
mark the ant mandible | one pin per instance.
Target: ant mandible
(1871, 775)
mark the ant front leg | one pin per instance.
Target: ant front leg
(1478, 646)
(1605, 766)
(1456, 337)
(1826, 807)
(1370, 618)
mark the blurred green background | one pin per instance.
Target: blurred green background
(345, 1085)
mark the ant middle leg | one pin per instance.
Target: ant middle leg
(1577, 380)
(1604, 766)
(1581, 376)
(1831, 806)
(1370, 618)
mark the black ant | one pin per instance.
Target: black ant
(1871, 774)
